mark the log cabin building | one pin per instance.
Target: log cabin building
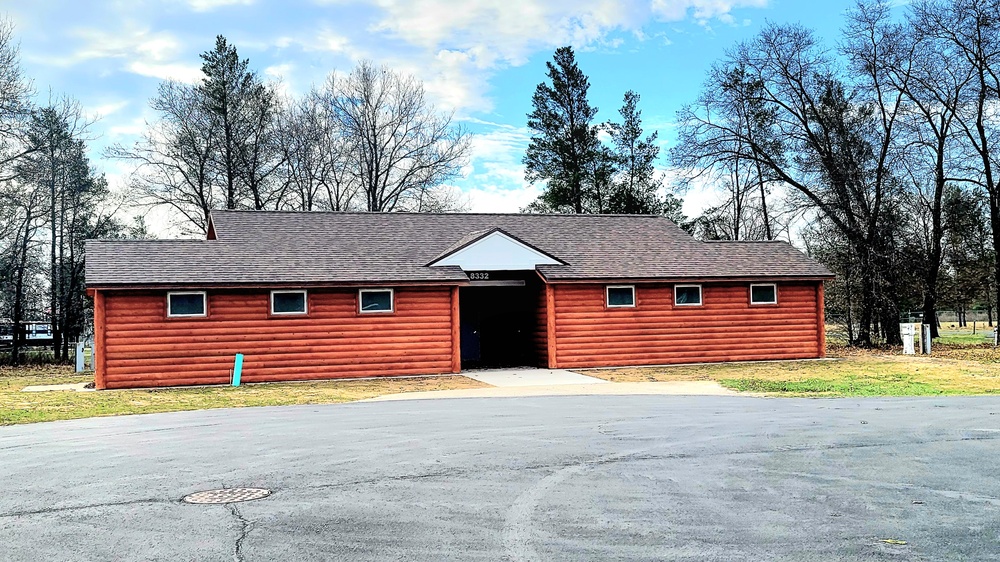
(335, 295)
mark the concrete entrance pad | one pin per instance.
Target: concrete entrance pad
(530, 376)
(78, 387)
(677, 388)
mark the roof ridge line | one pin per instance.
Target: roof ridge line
(420, 213)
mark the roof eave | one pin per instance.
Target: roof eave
(277, 285)
(683, 279)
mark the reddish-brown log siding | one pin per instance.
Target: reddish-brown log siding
(540, 335)
(456, 326)
(99, 339)
(821, 319)
(145, 348)
(724, 328)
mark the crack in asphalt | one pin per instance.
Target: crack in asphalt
(97, 437)
(46, 510)
(245, 527)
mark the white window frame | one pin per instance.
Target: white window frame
(204, 302)
(701, 296)
(607, 296)
(305, 302)
(392, 301)
(775, 285)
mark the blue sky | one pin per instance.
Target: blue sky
(479, 58)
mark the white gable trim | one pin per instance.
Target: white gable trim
(497, 252)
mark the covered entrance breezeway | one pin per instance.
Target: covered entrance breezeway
(501, 323)
(499, 320)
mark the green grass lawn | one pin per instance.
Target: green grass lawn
(27, 407)
(951, 370)
(953, 334)
(850, 385)
(962, 338)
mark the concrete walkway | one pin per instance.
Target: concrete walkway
(689, 388)
(530, 376)
(79, 387)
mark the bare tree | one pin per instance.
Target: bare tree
(932, 80)
(15, 107)
(216, 144)
(57, 165)
(173, 159)
(21, 210)
(25, 209)
(738, 167)
(827, 139)
(970, 29)
(398, 146)
(315, 155)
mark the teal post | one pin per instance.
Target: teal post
(238, 369)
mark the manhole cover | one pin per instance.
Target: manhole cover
(227, 495)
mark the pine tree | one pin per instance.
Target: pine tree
(565, 141)
(635, 189)
(245, 111)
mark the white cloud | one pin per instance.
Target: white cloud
(104, 110)
(208, 5)
(460, 47)
(143, 44)
(505, 31)
(279, 70)
(281, 73)
(702, 10)
(494, 177)
(499, 200)
(167, 71)
(141, 52)
(127, 129)
(328, 40)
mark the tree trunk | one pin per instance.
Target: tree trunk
(18, 312)
(995, 224)
(869, 302)
(53, 234)
(937, 233)
(850, 309)
(768, 235)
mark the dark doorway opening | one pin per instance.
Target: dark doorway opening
(499, 324)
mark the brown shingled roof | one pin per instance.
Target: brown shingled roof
(289, 248)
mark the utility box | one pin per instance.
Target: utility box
(908, 331)
(84, 356)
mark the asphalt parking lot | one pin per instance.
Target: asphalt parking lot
(515, 479)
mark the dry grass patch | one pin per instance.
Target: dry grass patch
(853, 373)
(27, 407)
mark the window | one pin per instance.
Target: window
(622, 296)
(687, 295)
(764, 294)
(375, 300)
(288, 302)
(186, 304)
